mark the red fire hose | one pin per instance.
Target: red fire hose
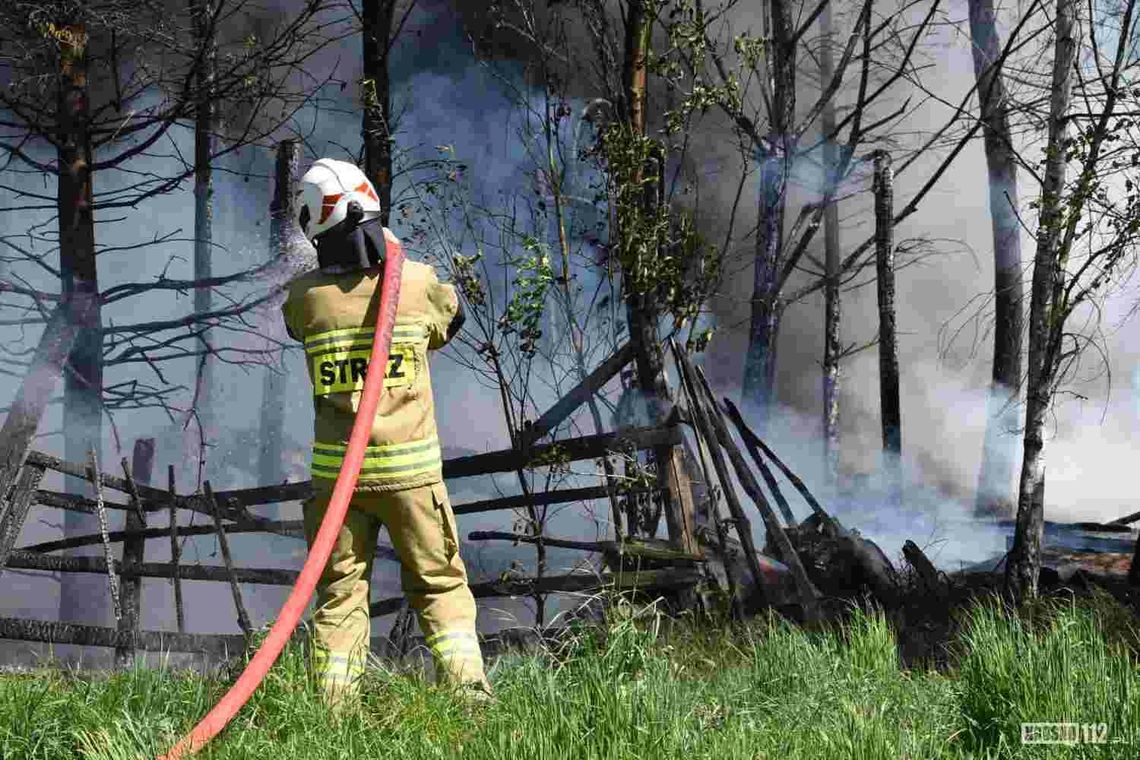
(295, 605)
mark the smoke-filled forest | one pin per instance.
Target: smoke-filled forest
(804, 305)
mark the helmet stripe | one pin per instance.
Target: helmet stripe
(328, 203)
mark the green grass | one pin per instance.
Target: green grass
(768, 690)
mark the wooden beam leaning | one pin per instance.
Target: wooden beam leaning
(765, 471)
(748, 435)
(572, 449)
(36, 389)
(740, 519)
(223, 542)
(809, 596)
(576, 396)
(152, 641)
(16, 510)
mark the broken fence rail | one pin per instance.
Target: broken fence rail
(225, 644)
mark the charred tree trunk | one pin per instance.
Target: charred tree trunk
(1000, 449)
(270, 463)
(888, 339)
(81, 600)
(376, 22)
(1024, 563)
(642, 313)
(760, 359)
(203, 17)
(832, 265)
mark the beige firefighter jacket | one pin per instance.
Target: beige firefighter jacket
(334, 315)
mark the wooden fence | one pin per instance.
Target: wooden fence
(134, 495)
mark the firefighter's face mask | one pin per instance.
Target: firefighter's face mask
(351, 243)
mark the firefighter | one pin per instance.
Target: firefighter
(332, 310)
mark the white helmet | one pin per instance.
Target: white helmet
(326, 190)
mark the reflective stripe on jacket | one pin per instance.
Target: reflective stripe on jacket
(334, 315)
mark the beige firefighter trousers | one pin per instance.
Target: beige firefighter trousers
(422, 528)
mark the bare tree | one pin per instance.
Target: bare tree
(1086, 233)
(999, 453)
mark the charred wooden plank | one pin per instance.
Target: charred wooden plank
(289, 528)
(629, 547)
(572, 449)
(577, 395)
(23, 560)
(216, 644)
(539, 499)
(648, 580)
(16, 510)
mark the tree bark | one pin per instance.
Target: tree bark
(642, 315)
(832, 264)
(376, 31)
(888, 338)
(202, 12)
(760, 359)
(81, 600)
(1024, 563)
(995, 477)
(270, 465)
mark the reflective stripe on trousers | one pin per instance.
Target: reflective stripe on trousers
(383, 462)
(456, 654)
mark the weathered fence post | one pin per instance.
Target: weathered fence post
(134, 547)
(175, 552)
